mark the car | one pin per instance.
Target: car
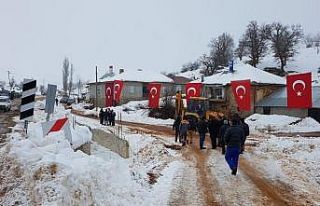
(70, 101)
(5, 103)
(64, 99)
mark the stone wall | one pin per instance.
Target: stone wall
(112, 142)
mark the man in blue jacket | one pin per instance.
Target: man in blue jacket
(233, 138)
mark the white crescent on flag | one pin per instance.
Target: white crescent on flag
(153, 93)
(295, 83)
(191, 89)
(108, 92)
(241, 87)
(116, 87)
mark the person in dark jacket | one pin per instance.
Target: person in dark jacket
(246, 130)
(223, 129)
(176, 127)
(192, 128)
(233, 138)
(112, 118)
(214, 128)
(101, 116)
(202, 127)
(183, 131)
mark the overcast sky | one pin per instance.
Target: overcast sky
(159, 35)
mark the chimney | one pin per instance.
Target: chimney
(111, 69)
(231, 66)
(121, 70)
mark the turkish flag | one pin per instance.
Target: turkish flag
(154, 94)
(299, 92)
(193, 90)
(118, 85)
(109, 94)
(242, 93)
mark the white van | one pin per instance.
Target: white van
(5, 103)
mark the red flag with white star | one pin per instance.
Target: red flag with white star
(118, 85)
(154, 94)
(299, 90)
(242, 94)
(193, 90)
(109, 94)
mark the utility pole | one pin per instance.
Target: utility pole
(96, 88)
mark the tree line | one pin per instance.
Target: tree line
(254, 44)
(67, 78)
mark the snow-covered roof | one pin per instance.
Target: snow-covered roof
(241, 72)
(138, 76)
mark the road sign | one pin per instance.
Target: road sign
(50, 99)
(27, 99)
(57, 125)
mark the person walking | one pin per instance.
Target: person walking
(101, 116)
(202, 127)
(223, 129)
(57, 101)
(233, 138)
(212, 132)
(183, 131)
(113, 117)
(192, 128)
(246, 130)
(176, 127)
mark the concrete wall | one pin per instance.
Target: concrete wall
(112, 142)
(101, 94)
(285, 111)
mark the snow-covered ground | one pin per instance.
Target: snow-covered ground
(293, 161)
(281, 123)
(39, 170)
(133, 111)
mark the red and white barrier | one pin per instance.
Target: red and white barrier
(57, 125)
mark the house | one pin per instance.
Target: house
(217, 87)
(179, 82)
(135, 84)
(276, 103)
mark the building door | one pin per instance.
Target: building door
(266, 110)
(314, 113)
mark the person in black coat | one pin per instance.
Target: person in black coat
(223, 130)
(107, 116)
(101, 116)
(112, 117)
(233, 138)
(176, 126)
(202, 127)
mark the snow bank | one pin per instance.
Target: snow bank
(281, 123)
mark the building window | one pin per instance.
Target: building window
(145, 92)
(131, 89)
(216, 93)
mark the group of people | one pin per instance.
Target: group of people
(107, 117)
(230, 135)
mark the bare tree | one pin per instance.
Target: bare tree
(208, 63)
(65, 74)
(191, 66)
(284, 40)
(241, 50)
(256, 41)
(71, 79)
(308, 40)
(221, 50)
